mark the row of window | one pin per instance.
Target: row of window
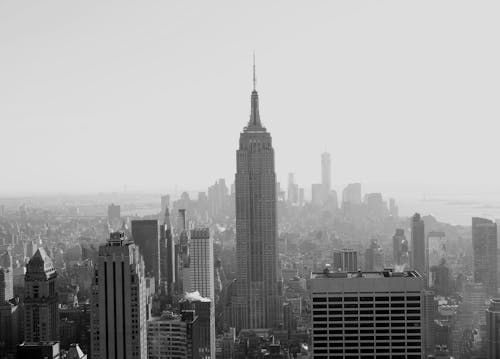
(367, 299)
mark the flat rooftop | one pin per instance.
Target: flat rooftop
(388, 273)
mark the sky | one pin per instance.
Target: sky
(152, 95)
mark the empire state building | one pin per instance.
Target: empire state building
(257, 302)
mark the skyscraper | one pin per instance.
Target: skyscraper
(118, 316)
(10, 323)
(201, 265)
(41, 317)
(351, 194)
(484, 245)
(258, 301)
(399, 248)
(418, 245)
(493, 329)
(167, 255)
(374, 257)
(146, 234)
(326, 171)
(368, 315)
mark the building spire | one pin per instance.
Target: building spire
(254, 111)
(254, 78)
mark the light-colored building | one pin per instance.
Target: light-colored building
(118, 314)
(418, 247)
(326, 171)
(201, 268)
(167, 337)
(352, 194)
(367, 314)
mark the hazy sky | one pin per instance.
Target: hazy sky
(153, 94)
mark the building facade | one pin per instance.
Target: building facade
(418, 247)
(367, 315)
(41, 316)
(484, 245)
(146, 234)
(118, 311)
(258, 301)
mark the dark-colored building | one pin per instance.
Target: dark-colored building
(146, 234)
(484, 245)
(41, 350)
(258, 303)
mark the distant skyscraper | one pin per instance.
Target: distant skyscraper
(418, 247)
(352, 194)
(114, 216)
(41, 317)
(258, 303)
(326, 171)
(164, 205)
(118, 316)
(317, 197)
(372, 315)
(484, 245)
(345, 260)
(167, 255)
(293, 189)
(374, 257)
(400, 248)
(493, 329)
(146, 234)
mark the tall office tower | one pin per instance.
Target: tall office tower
(345, 260)
(218, 198)
(352, 194)
(201, 265)
(399, 248)
(164, 205)
(301, 197)
(317, 194)
(258, 301)
(10, 323)
(293, 189)
(373, 314)
(493, 329)
(41, 316)
(167, 337)
(201, 333)
(430, 310)
(118, 314)
(167, 255)
(326, 171)
(6, 277)
(484, 244)
(114, 216)
(374, 257)
(418, 247)
(393, 209)
(146, 234)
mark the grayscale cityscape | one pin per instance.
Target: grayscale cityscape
(262, 180)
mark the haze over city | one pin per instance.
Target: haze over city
(97, 96)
